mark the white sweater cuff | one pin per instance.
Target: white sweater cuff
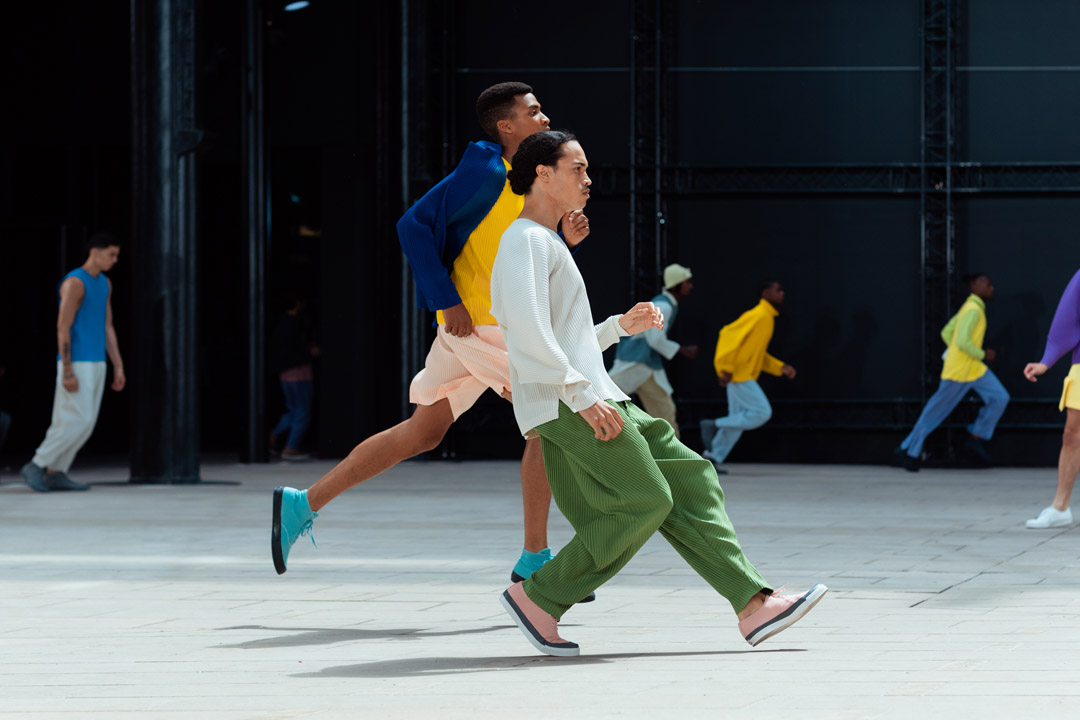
(580, 396)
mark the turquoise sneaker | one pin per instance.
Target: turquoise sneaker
(292, 518)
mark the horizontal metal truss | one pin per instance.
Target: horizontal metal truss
(895, 178)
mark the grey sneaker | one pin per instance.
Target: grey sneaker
(34, 477)
(60, 481)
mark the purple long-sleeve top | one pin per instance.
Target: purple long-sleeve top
(1065, 330)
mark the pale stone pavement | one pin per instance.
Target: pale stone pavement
(162, 602)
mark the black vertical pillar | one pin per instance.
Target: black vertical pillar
(255, 226)
(162, 367)
(647, 144)
(938, 231)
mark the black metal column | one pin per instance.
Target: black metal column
(255, 236)
(938, 224)
(164, 391)
(411, 315)
(426, 152)
(646, 146)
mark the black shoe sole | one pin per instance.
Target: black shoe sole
(275, 533)
(901, 459)
(514, 577)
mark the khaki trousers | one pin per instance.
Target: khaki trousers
(658, 403)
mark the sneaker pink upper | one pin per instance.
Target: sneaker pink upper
(545, 624)
(779, 612)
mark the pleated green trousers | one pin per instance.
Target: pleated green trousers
(617, 493)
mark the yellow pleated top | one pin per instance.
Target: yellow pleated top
(471, 273)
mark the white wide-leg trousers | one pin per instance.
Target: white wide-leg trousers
(73, 417)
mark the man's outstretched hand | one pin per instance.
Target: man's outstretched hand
(788, 371)
(642, 317)
(575, 227)
(1032, 371)
(458, 320)
(604, 420)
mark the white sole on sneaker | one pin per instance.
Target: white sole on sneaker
(530, 632)
(1036, 525)
(782, 622)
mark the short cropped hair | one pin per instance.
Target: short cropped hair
(542, 148)
(765, 285)
(497, 103)
(972, 277)
(101, 240)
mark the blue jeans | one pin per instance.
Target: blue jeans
(949, 394)
(298, 414)
(748, 408)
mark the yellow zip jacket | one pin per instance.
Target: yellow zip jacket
(964, 336)
(740, 349)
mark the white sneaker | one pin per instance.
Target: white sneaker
(1051, 517)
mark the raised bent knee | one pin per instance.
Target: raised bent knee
(655, 507)
(757, 419)
(427, 439)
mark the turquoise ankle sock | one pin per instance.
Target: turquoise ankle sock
(530, 562)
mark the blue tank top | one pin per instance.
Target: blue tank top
(88, 330)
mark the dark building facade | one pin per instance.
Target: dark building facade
(865, 154)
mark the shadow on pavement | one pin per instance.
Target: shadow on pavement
(326, 636)
(425, 667)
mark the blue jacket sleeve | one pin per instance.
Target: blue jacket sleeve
(418, 235)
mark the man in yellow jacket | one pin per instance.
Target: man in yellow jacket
(964, 370)
(740, 358)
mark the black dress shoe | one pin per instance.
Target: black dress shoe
(977, 450)
(514, 577)
(900, 458)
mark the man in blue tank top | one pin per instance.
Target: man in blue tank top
(85, 336)
(639, 360)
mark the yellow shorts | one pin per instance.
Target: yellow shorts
(1070, 394)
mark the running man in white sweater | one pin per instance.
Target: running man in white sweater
(617, 474)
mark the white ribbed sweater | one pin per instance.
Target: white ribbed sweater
(539, 299)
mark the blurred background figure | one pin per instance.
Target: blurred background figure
(1064, 338)
(963, 370)
(292, 350)
(639, 360)
(84, 337)
(740, 359)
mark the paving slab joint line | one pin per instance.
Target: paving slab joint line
(945, 590)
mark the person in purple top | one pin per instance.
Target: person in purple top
(1064, 338)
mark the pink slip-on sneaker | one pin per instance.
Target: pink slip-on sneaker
(779, 612)
(539, 628)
